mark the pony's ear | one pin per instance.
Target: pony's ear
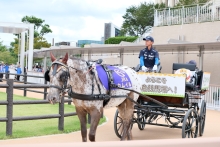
(52, 57)
(65, 58)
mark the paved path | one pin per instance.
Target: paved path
(105, 132)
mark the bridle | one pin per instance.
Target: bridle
(65, 88)
(64, 77)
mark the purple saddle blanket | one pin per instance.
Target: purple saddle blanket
(120, 77)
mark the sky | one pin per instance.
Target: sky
(70, 20)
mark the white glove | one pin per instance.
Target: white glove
(155, 68)
(144, 68)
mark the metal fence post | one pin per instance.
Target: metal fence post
(9, 107)
(61, 112)
(69, 103)
(25, 82)
(45, 90)
(7, 75)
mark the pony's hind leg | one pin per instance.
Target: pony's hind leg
(95, 117)
(83, 122)
(126, 112)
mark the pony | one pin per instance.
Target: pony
(75, 74)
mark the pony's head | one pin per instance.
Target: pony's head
(57, 76)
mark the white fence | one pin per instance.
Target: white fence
(212, 97)
(187, 15)
(33, 79)
(29, 79)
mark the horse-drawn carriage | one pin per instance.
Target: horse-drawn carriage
(94, 86)
(181, 92)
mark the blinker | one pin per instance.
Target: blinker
(54, 70)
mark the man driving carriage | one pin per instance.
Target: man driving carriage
(149, 57)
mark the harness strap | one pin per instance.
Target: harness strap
(58, 62)
(98, 85)
(93, 76)
(144, 96)
(87, 97)
(110, 77)
(58, 87)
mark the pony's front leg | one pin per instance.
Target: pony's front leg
(95, 118)
(83, 122)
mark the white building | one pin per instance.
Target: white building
(111, 30)
(172, 3)
(169, 3)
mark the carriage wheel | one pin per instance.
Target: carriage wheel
(202, 117)
(190, 124)
(141, 120)
(118, 124)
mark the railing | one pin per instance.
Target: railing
(212, 97)
(25, 76)
(186, 15)
(10, 102)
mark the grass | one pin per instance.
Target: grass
(30, 128)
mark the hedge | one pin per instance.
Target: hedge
(117, 40)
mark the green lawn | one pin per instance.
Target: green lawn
(41, 127)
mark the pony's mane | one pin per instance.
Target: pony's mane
(79, 59)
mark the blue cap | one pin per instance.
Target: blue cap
(192, 62)
(149, 38)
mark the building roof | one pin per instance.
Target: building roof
(127, 48)
(14, 28)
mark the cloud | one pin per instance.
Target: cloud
(69, 19)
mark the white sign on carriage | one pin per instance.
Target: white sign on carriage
(205, 80)
(172, 85)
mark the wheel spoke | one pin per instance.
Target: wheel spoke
(120, 126)
(119, 122)
(193, 120)
(119, 117)
(189, 123)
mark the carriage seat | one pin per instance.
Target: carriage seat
(195, 80)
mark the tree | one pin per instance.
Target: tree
(15, 45)
(38, 24)
(82, 45)
(7, 55)
(40, 30)
(138, 19)
(119, 39)
(45, 30)
(32, 19)
(40, 42)
(3, 48)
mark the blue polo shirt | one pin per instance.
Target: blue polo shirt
(6, 68)
(149, 57)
